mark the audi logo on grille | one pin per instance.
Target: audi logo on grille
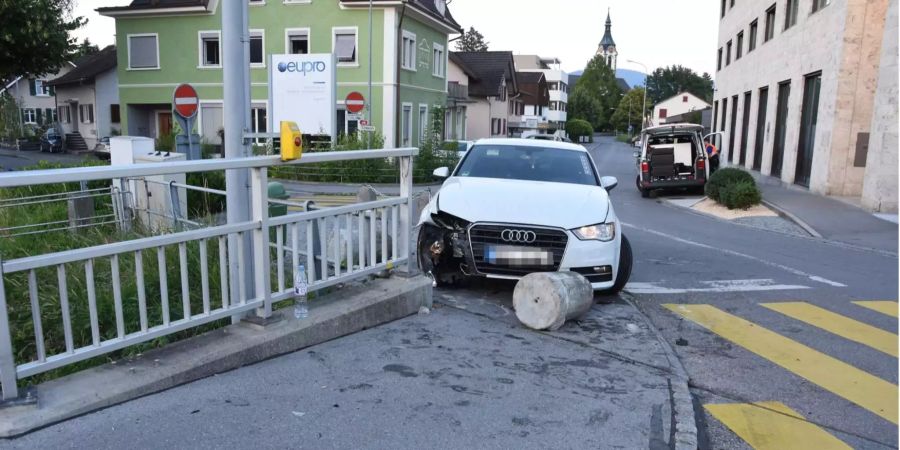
(518, 236)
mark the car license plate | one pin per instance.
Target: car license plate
(507, 255)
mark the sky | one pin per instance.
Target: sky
(656, 33)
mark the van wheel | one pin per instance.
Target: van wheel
(637, 183)
(623, 274)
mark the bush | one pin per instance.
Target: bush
(726, 177)
(577, 128)
(740, 195)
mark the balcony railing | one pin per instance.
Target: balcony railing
(456, 91)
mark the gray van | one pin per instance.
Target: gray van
(671, 157)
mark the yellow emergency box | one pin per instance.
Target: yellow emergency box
(291, 141)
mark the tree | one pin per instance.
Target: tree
(85, 49)
(471, 41)
(35, 36)
(629, 110)
(596, 95)
(667, 82)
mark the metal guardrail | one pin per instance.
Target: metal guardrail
(338, 244)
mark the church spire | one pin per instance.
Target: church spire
(607, 47)
(607, 36)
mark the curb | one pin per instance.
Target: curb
(684, 423)
(793, 218)
(337, 314)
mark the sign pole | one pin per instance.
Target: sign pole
(369, 104)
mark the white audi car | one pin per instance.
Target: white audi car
(517, 206)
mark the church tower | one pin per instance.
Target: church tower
(607, 46)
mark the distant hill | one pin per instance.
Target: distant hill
(632, 77)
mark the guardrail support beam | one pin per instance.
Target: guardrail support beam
(7, 360)
(407, 221)
(262, 258)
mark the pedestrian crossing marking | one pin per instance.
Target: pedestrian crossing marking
(842, 379)
(773, 426)
(844, 327)
(884, 307)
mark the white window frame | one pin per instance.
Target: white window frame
(64, 115)
(406, 140)
(422, 128)
(297, 2)
(255, 122)
(29, 116)
(201, 63)
(261, 33)
(90, 113)
(407, 64)
(41, 89)
(438, 67)
(158, 62)
(257, 3)
(288, 32)
(343, 30)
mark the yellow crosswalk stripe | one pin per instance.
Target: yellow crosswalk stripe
(884, 307)
(844, 327)
(773, 426)
(842, 379)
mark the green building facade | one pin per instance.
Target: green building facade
(163, 43)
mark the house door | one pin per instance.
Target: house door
(760, 128)
(165, 124)
(809, 117)
(784, 92)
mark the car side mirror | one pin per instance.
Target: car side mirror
(609, 183)
(441, 172)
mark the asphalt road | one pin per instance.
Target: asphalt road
(10, 159)
(837, 368)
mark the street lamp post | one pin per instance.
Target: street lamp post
(644, 107)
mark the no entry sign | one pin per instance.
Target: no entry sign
(355, 102)
(186, 101)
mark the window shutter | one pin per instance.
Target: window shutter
(23, 115)
(37, 116)
(49, 113)
(31, 88)
(52, 90)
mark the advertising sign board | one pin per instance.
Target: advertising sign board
(303, 90)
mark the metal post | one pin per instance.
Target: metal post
(369, 103)
(7, 361)
(261, 257)
(234, 77)
(406, 211)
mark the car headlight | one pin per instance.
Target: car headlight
(601, 232)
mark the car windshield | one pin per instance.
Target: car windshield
(514, 162)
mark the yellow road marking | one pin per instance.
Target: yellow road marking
(842, 379)
(773, 425)
(889, 308)
(844, 327)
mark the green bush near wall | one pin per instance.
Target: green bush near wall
(734, 188)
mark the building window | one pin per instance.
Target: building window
(259, 122)
(348, 124)
(438, 61)
(408, 51)
(65, 114)
(29, 115)
(257, 2)
(819, 4)
(740, 46)
(728, 53)
(86, 113)
(770, 24)
(407, 125)
(423, 123)
(663, 113)
(684, 99)
(345, 45)
(114, 114)
(297, 41)
(143, 51)
(719, 64)
(257, 48)
(754, 26)
(790, 13)
(722, 13)
(39, 88)
(210, 49)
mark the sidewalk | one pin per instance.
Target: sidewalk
(832, 219)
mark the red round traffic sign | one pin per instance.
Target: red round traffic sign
(355, 102)
(186, 101)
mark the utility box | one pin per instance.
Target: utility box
(277, 192)
(158, 206)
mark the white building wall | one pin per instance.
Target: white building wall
(83, 95)
(838, 41)
(107, 94)
(677, 105)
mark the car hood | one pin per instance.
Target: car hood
(523, 202)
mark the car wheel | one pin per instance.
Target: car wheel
(623, 273)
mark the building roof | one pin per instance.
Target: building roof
(533, 88)
(491, 69)
(456, 59)
(529, 77)
(607, 40)
(683, 93)
(88, 68)
(437, 9)
(142, 5)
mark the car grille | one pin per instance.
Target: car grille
(547, 239)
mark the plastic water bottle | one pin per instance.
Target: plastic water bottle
(301, 286)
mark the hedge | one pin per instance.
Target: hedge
(741, 195)
(726, 177)
(577, 128)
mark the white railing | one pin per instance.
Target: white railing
(336, 245)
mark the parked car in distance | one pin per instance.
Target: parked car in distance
(461, 147)
(671, 157)
(102, 150)
(545, 137)
(51, 141)
(519, 206)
